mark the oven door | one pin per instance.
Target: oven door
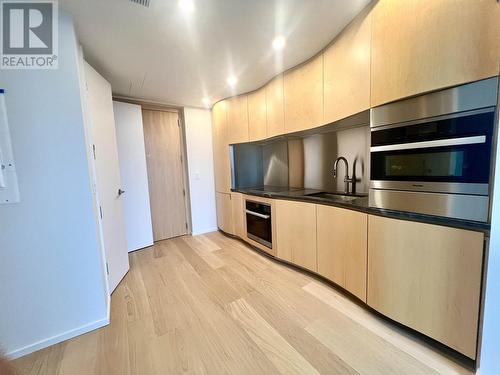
(259, 224)
(449, 156)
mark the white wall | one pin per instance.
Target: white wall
(201, 169)
(490, 346)
(51, 276)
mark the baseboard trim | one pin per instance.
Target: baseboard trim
(28, 349)
(203, 231)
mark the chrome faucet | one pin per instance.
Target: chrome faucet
(347, 180)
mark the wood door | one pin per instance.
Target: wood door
(134, 173)
(296, 233)
(165, 173)
(347, 70)
(222, 169)
(424, 45)
(342, 248)
(303, 91)
(275, 110)
(224, 212)
(257, 123)
(427, 277)
(237, 119)
(108, 180)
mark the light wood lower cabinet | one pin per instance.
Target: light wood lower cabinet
(237, 205)
(342, 248)
(427, 277)
(296, 233)
(224, 212)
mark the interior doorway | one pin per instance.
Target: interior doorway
(167, 178)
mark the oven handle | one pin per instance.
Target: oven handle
(429, 144)
(262, 216)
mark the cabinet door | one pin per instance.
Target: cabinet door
(238, 214)
(427, 277)
(303, 90)
(237, 119)
(224, 212)
(257, 123)
(296, 233)
(275, 107)
(342, 248)
(222, 167)
(423, 45)
(347, 70)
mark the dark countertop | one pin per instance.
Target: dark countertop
(361, 204)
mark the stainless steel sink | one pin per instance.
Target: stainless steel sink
(335, 196)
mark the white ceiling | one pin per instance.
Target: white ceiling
(163, 54)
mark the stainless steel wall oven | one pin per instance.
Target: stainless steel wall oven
(259, 223)
(433, 154)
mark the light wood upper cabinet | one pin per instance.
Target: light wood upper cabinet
(275, 107)
(347, 70)
(427, 277)
(238, 214)
(303, 91)
(237, 119)
(222, 169)
(296, 233)
(257, 112)
(224, 212)
(423, 45)
(342, 248)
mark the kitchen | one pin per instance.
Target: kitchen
(337, 214)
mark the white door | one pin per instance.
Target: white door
(134, 174)
(102, 124)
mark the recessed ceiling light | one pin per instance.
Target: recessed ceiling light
(279, 42)
(232, 81)
(186, 5)
(206, 101)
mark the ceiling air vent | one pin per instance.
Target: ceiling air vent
(142, 2)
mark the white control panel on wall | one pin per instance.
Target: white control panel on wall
(9, 190)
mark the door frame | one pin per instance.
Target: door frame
(158, 106)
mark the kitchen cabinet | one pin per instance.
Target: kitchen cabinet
(303, 92)
(257, 112)
(296, 233)
(347, 70)
(342, 248)
(237, 119)
(224, 212)
(238, 214)
(427, 277)
(222, 169)
(424, 45)
(275, 110)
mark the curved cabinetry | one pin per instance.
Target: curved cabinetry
(427, 277)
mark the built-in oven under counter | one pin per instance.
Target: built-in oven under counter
(259, 222)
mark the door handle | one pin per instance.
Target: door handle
(262, 216)
(120, 192)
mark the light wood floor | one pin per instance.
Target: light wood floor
(210, 305)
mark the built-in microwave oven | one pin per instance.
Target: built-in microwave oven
(433, 154)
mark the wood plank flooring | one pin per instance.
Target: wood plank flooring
(211, 305)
